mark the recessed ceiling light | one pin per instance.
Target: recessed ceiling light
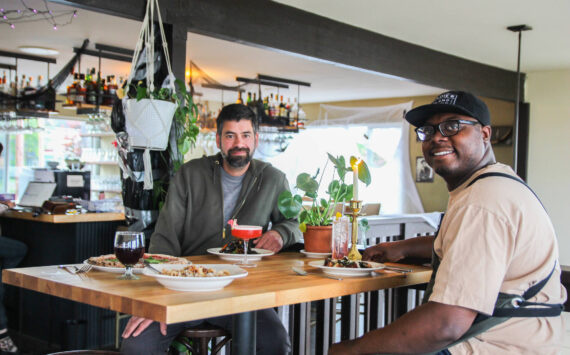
(38, 50)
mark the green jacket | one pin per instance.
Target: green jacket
(191, 219)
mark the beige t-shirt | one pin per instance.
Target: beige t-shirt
(496, 237)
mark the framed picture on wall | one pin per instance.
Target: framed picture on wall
(424, 173)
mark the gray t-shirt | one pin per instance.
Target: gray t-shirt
(231, 187)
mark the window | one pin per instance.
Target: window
(383, 145)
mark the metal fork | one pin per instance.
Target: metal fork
(85, 268)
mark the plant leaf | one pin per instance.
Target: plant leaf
(303, 227)
(289, 205)
(334, 186)
(306, 183)
(364, 173)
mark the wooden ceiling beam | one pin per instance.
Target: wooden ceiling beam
(272, 25)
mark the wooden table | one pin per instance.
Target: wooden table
(271, 284)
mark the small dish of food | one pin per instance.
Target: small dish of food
(346, 267)
(195, 278)
(233, 251)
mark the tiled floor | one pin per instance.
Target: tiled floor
(566, 344)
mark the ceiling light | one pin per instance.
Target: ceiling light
(38, 50)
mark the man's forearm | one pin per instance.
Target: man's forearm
(429, 327)
(420, 247)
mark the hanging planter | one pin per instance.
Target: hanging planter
(148, 119)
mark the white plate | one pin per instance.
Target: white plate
(346, 271)
(312, 255)
(239, 257)
(196, 284)
(116, 270)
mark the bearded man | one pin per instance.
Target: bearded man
(203, 195)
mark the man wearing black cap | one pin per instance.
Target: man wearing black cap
(496, 286)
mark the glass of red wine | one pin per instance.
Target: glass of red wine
(246, 233)
(129, 249)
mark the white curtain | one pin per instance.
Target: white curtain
(379, 135)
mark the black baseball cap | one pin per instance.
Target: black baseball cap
(460, 102)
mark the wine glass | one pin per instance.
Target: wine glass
(246, 233)
(129, 248)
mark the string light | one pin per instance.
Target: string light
(11, 17)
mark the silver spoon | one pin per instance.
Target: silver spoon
(305, 273)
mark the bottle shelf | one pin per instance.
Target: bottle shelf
(101, 162)
(99, 134)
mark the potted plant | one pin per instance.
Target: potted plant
(315, 221)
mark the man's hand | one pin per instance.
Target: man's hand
(343, 348)
(136, 325)
(270, 240)
(419, 247)
(384, 252)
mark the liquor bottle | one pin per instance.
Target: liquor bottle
(272, 112)
(101, 87)
(81, 90)
(266, 105)
(112, 85)
(288, 110)
(255, 98)
(90, 87)
(239, 99)
(39, 83)
(248, 100)
(4, 79)
(281, 107)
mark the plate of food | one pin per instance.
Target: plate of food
(233, 251)
(195, 277)
(110, 263)
(313, 255)
(345, 267)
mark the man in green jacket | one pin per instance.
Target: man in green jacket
(203, 196)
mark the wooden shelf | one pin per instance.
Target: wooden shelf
(99, 134)
(101, 162)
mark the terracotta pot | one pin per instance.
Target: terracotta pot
(318, 239)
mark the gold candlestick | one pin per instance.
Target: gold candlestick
(355, 206)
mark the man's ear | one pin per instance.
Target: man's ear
(486, 132)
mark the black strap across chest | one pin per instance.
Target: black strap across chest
(485, 175)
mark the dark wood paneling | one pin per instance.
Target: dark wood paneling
(269, 24)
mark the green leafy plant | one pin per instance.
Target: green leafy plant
(142, 92)
(186, 124)
(321, 211)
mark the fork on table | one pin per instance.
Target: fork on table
(72, 269)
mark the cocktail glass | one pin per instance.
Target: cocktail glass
(246, 233)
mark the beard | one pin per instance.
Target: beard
(238, 161)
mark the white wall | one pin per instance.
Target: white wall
(548, 93)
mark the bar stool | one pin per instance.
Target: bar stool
(204, 333)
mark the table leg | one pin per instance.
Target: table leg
(244, 333)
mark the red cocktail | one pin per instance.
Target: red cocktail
(246, 233)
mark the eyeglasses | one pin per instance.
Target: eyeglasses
(446, 128)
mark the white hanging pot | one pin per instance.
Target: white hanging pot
(148, 122)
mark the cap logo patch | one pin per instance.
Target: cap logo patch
(446, 99)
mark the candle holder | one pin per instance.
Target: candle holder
(355, 206)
